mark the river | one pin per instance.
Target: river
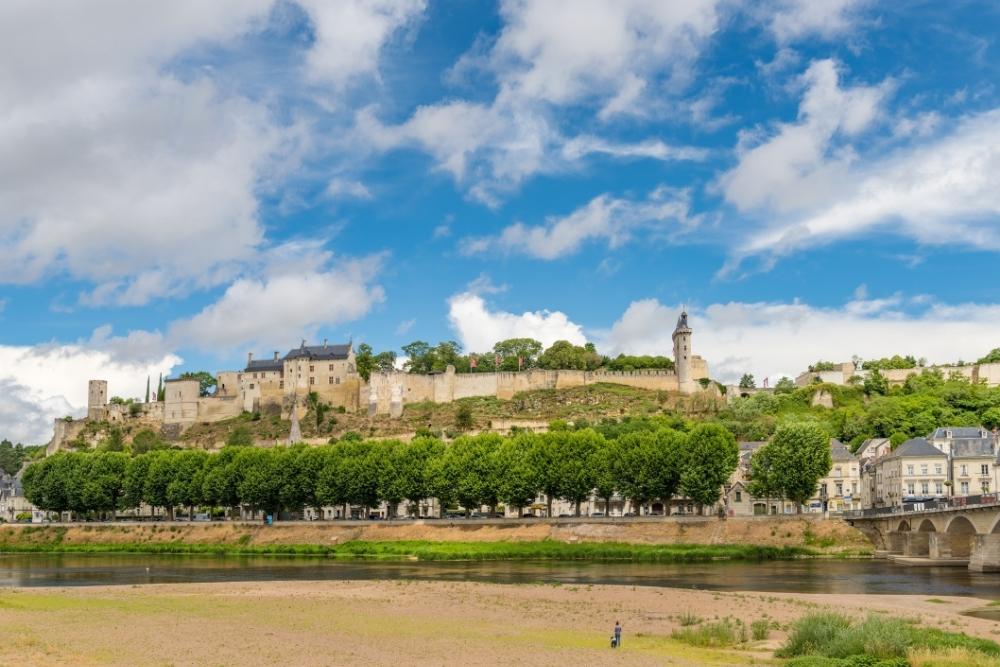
(801, 576)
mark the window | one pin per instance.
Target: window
(984, 469)
(925, 488)
(311, 368)
(312, 380)
(331, 380)
(338, 381)
(739, 497)
(837, 472)
(986, 486)
(251, 385)
(965, 488)
(910, 489)
(965, 470)
(938, 488)
(840, 489)
(937, 468)
(923, 469)
(909, 470)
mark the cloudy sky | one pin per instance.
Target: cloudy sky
(184, 182)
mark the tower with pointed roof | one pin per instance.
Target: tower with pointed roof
(682, 354)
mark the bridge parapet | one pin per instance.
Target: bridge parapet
(936, 505)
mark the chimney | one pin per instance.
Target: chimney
(249, 357)
(303, 344)
(275, 355)
(324, 343)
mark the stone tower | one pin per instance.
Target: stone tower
(97, 399)
(682, 354)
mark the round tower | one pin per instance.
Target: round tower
(682, 354)
(97, 399)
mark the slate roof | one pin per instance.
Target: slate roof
(871, 444)
(323, 352)
(840, 452)
(320, 352)
(915, 447)
(265, 365)
(969, 448)
(958, 432)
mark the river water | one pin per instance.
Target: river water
(803, 576)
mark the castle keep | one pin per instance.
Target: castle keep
(281, 384)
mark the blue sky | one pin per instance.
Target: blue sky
(185, 184)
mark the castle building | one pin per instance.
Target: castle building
(281, 384)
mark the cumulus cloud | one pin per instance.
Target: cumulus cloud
(349, 35)
(607, 57)
(478, 327)
(794, 168)
(771, 339)
(147, 167)
(44, 382)
(792, 20)
(613, 220)
(282, 305)
(343, 188)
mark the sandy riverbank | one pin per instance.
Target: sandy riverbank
(830, 536)
(407, 623)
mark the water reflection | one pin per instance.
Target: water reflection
(817, 576)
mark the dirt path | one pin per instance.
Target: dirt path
(406, 623)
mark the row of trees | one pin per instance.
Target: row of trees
(471, 471)
(507, 355)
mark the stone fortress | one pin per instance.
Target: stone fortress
(281, 384)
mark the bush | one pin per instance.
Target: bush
(23, 516)
(876, 640)
(240, 436)
(719, 634)
(760, 629)
(463, 417)
(688, 619)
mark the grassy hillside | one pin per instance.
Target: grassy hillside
(591, 404)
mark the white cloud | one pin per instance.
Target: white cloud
(770, 339)
(46, 382)
(794, 168)
(342, 188)
(604, 217)
(609, 57)
(283, 305)
(944, 191)
(478, 328)
(404, 327)
(350, 34)
(576, 50)
(114, 171)
(652, 148)
(792, 20)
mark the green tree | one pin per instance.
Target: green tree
(115, 442)
(134, 486)
(799, 455)
(260, 479)
(46, 483)
(562, 354)
(575, 476)
(469, 466)
(147, 389)
(747, 381)
(712, 456)
(104, 481)
(415, 470)
(364, 360)
(512, 349)
(186, 487)
(544, 461)
(785, 385)
(625, 362)
(146, 440)
(517, 482)
(157, 480)
(876, 383)
(605, 483)
(464, 420)
(992, 357)
(991, 418)
(206, 381)
(220, 479)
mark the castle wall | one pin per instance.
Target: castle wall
(989, 373)
(213, 409)
(450, 386)
(181, 401)
(62, 432)
(227, 384)
(97, 399)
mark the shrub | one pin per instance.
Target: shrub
(240, 436)
(23, 516)
(463, 417)
(688, 619)
(760, 629)
(720, 634)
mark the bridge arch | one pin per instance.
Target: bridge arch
(961, 532)
(903, 527)
(927, 526)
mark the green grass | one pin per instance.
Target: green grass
(723, 633)
(832, 639)
(428, 551)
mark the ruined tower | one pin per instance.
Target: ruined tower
(682, 354)
(97, 399)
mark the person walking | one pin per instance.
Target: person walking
(618, 634)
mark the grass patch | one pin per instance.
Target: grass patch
(724, 633)
(936, 601)
(760, 629)
(875, 640)
(427, 550)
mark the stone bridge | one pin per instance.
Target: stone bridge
(952, 531)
